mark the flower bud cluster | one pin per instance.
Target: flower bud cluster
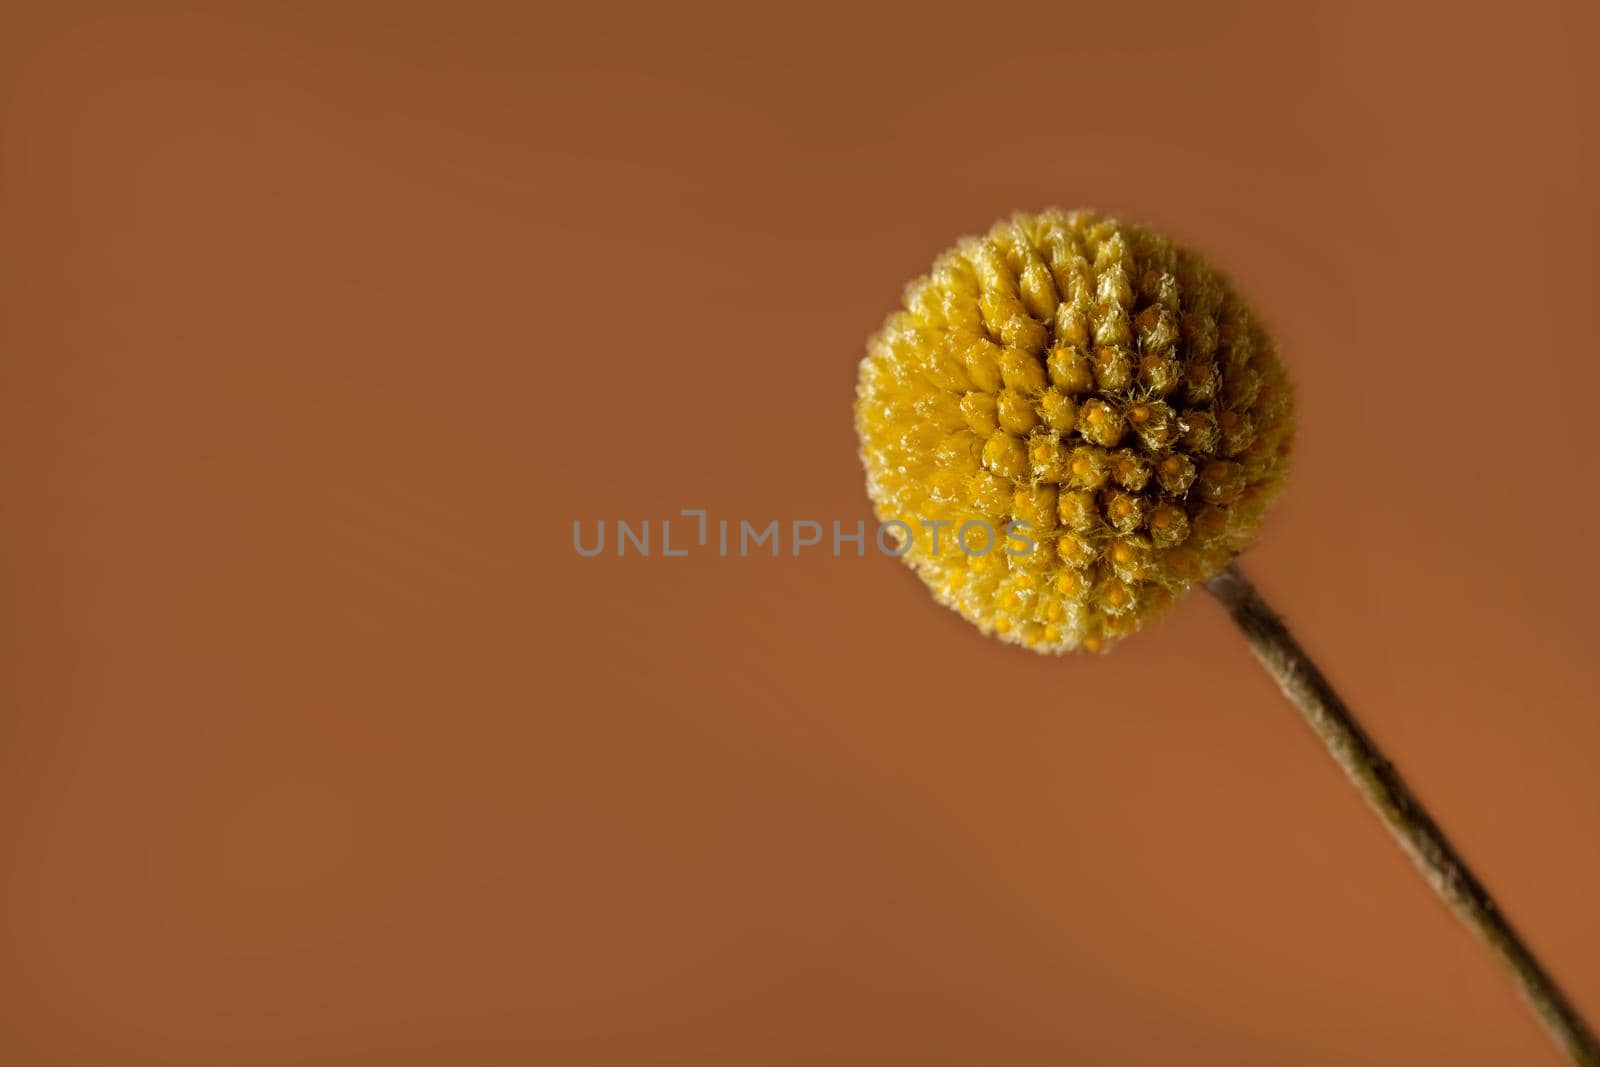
(1091, 379)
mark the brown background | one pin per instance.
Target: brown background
(320, 324)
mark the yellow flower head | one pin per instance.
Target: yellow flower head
(1076, 420)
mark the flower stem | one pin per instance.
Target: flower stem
(1371, 773)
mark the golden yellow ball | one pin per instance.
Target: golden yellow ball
(1099, 400)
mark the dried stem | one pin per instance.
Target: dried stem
(1401, 811)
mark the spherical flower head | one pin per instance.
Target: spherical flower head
(1071, 422)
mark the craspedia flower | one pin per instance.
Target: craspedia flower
(1073, 421)
(1077, 420)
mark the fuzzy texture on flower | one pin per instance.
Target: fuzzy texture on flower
(1075, 420)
